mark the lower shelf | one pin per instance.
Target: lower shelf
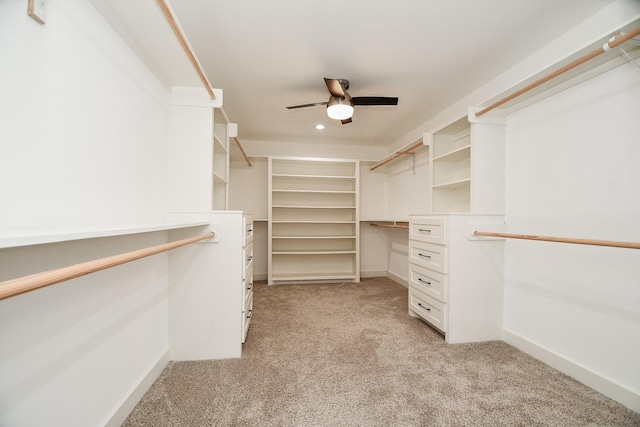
(313, 277)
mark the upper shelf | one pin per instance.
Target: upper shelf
(15, 237)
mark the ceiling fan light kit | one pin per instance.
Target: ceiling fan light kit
(341, 105)
(339, 108)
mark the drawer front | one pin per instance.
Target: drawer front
(247, 223)
(428, 255)
(429, 309)
(247, 290)
(428, 282)
(431, 230)
(248, 259)
(246, 318)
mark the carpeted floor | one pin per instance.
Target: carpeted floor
(349, 355)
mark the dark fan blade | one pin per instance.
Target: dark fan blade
(374, 100)
(315, 104)
(345, 121)
(335, 88)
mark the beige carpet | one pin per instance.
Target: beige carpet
(349, 355)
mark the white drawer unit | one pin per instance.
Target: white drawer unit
(247, 275)
(455, 280)
(211, 288)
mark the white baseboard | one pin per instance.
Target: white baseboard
(587, 377)
(399, 280)
(130, 402)
(260, 277)
(368, 274)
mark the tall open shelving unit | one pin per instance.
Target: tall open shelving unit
(467, 166)
(451, 168)
(313, 231)
(220, 197)
(199, 160)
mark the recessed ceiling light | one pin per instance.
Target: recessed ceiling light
(320, 126)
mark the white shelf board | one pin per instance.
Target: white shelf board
(307, 252)
(341, 236)
(301, 277)
(298, 176)
(455, 155)
(314, 191)
(16, 237)
(453, 184)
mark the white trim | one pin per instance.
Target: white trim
(399, 280)
(370, 274)
(130, 402)
(591, 379)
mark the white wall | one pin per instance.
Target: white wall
(82, 142)
(572, 170)
(83, 123)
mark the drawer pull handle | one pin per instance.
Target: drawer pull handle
(250, 314)
(250, 258)
(422, 306)
(424, 256)
(424, 230)
(250, 230)
(423, 281)
(250, 286)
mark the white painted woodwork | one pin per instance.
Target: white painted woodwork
(199, 156)
(207, 291)
(467, 166)
(313, 220)
(455, 283)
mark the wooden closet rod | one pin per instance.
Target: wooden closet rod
(21, 285)
(612, 243)
(235, 138)
(175, 26)
(397, 154)
(375, 224)
(607, 46)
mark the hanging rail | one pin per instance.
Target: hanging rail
(606, 47)
(21, 285)
(394, 225)
(175, 26)
(235, 138)
(612, 243)
(397, 154)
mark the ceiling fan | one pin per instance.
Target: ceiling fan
(340, 105)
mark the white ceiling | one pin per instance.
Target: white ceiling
(266, 55)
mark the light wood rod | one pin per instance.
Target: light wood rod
(235, 138)
(21, 285)
(173, 22)
(397, 154)
(618, 41)
(375, 224)
(611, 243)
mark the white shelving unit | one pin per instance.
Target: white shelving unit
(199, 161)
(467, 166)
(220, 195)
(313, 232)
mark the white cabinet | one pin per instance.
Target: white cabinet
(313, 220)
(211, 289)
(455, 279)
(467, 166)
(247, 275)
